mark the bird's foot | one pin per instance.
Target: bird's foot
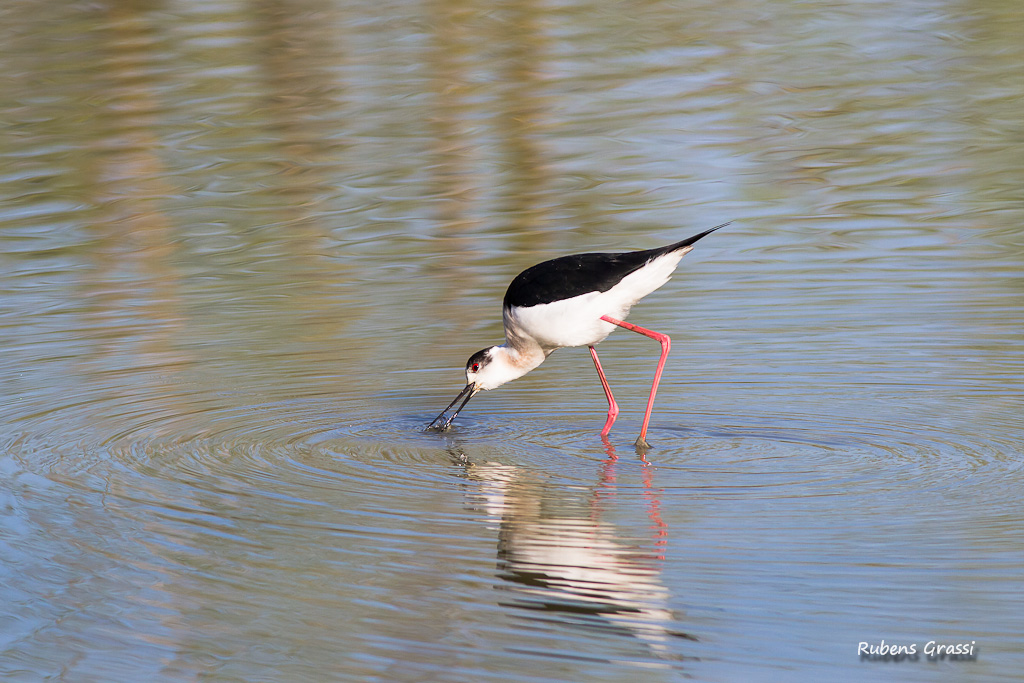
(641, 445)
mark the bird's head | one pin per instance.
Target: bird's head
(486, 369)
(490, 368)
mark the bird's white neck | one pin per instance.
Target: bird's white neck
(524, 356)
(509, 362)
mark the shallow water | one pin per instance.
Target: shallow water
(246, 248)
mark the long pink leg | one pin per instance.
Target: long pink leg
(666, 344)
(613, 407)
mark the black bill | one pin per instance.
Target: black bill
(468, 393)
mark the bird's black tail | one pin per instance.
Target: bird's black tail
(690, 240)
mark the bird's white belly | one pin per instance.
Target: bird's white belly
(570, 322)
(577, 321)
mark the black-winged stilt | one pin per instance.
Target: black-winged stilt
(573, 300)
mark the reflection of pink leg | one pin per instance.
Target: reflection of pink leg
(606, 488)
(666, 344)
(613, 407)
(654, 510)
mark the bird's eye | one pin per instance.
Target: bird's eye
(475, 367)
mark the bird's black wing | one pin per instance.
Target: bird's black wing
(569, 276)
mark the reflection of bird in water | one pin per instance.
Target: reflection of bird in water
(563, 564)
(573, 301)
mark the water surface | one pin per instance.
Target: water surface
(246, 248)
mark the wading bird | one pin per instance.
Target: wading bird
(573, 300)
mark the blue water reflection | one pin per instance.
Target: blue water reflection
(246, 247)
